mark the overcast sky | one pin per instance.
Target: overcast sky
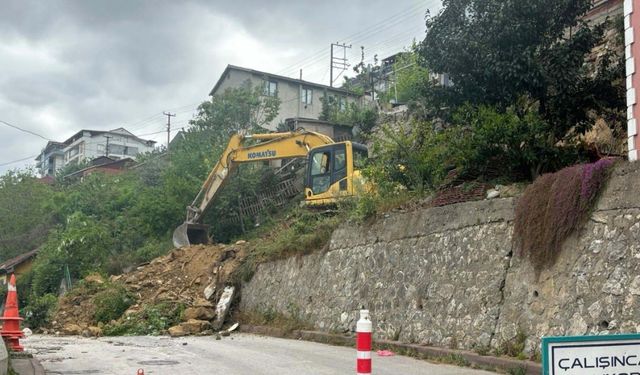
(89, 64)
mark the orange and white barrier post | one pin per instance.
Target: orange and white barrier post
(363, 343)
(11, 319)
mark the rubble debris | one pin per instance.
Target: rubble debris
(72, 329)
(493, 193)
(233, 327)
(209, 291)
(190, 276)
(223, 306)
(202, 313)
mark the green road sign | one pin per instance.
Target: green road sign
(591, 355)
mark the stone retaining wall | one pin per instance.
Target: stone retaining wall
(447, 276)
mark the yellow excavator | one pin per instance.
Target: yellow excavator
(333, 172)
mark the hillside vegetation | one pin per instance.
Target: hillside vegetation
(521, 102)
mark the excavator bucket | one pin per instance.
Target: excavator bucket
(190, 234)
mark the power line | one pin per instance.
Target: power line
(353, 37)
(26, 130)
(365, 34)
(158, 132)
(390, 25)
(19, 160)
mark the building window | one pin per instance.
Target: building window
(131, 151)
(116, 149)
(342, 103)
(74, 151)
(307, 95)
(271, 88)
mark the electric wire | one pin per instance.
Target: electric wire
(354, 37)
(26, 130)
(363, 36)
(19, 160)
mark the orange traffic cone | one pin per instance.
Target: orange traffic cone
(11, 332)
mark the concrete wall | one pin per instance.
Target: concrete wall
(288, 92)
(447, 276)
(4, 359)
(632, 66)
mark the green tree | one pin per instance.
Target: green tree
(410, 76)
(244, 108)
(339, 111)
(25, 213)
(84, 245)
(497, 51)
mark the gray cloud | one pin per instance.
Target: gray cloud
(71, 64)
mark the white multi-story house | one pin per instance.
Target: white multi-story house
(87, 145)
(51, 158)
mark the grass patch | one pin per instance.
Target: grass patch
(483, 350)
(301, 232)
(514, 347)
(520, 370)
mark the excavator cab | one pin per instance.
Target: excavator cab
(333, 172)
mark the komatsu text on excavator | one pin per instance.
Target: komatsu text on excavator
(333, 172)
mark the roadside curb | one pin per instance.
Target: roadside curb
(501, 364)
(27, 366)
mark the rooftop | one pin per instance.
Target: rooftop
(9, 265)
(118, 131)
(279, 77)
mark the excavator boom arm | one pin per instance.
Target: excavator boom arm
(273, 146)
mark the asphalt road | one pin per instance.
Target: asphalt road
(240, 354)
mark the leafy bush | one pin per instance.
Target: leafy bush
(83, 245)
(39, 311)
(151, 320)
(554, 206)
(111, 303)
(482, 143)
(412, 155)
(152, 249)
(351, 114)
(515, 144)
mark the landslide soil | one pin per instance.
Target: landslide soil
(181, 276)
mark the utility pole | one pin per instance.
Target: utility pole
(338, 62)
(169, 116)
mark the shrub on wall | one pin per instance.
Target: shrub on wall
(554, 206)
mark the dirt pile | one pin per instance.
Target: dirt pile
(182, 286)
